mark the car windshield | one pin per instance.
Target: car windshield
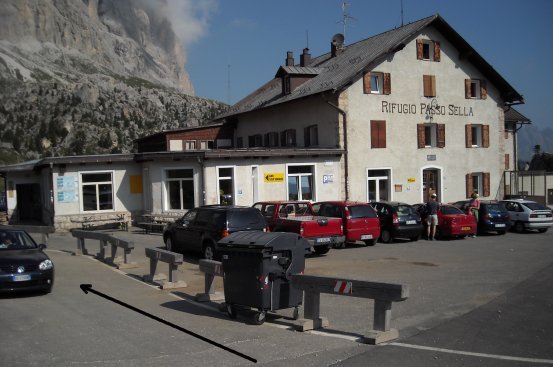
(496, 208)
(361, 211)
(406, 210)
(15, 240)
(450, 210)
(536, 206)
(245, 218)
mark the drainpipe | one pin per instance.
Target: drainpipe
(202, 177)
(346, 161)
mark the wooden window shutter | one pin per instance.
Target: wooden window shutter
(367, 82)
(387, 81)
(468, 136)
(467, 88)
(437, 56)
(483, 89)
(421, 136)
(441, 135)
(306, 137)
(429, 82)
(486, 183)
(419, 49)
(507, 161)
(468, 179)
(486, 136)
(378, 134)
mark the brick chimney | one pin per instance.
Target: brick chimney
(305, 57)
(289, 58)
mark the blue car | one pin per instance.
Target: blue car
(492, 216)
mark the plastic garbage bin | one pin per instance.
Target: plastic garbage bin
(257, 268)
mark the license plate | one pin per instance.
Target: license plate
(465, 228)
(411, 222)
(500, 225)
(542, 216)
(367, 237)
(21, 278)
(323, 240)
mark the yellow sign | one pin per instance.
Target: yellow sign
(411, 179)
(274, 177)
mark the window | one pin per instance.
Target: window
(377, 83)
(271, 139)
(378, 185)
(311, 136)
(378, 134)
(431, 135)
(429, 85)
(428, 50)
(97, 191)
(288, 138)
(255, 141)
(300, 182)
(189, 144)
(478, 182)
(180, 188)
(286, 89)
(175, 145)
(475, 89)
(477, 136)
(225, 182)
(206, 144)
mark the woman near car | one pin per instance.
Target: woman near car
(474, 206)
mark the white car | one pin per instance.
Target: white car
(526, 214)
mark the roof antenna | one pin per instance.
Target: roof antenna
(345, 17)
(307, 38)
(402, 13)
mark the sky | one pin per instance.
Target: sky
(235, 46)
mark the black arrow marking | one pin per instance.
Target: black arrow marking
(88, 288)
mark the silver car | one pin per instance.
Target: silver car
(527, 214)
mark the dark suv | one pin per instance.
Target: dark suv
(492, 216)
(201, 228)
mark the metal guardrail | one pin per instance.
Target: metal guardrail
(173, 259)
(382, 293)
(104, 238)
(210, 268)
(44, 231)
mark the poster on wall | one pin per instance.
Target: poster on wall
(69, 196)
(67, 182)
(67, 189)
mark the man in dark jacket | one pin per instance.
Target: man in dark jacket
(432, 207)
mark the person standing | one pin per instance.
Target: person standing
(432, 207)
(474, 207)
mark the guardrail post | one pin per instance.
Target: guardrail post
(102, 254)
(210, 268)
(312, 312)
(173, 260)
(381, 324)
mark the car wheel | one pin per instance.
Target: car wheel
(386, 236)
(259, 317)
(231, 310)
(321, 250)
(519, 227)
(542, 230)
(169, 243)
(370, 242)
(501, 232)
(209, 251)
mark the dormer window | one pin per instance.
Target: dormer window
(428, 50)
(286, 85)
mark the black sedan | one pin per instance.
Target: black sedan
(397, 220)
(23, 263)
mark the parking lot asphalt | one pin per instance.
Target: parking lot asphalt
(486, 301)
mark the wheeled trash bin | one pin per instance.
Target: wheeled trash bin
(257, 268)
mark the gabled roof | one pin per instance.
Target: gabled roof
(337, 73)
(512, 115)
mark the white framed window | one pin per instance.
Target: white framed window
(430, 135)
(476, 135)
(477, 182)
(206, 144)
(225, 185)
(378, 184)
(189, 144)
(97, 191)
(179, 185)
(175, 145)
(301, 185)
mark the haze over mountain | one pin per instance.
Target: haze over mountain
(90, 76)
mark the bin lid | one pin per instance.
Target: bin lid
(260, 240)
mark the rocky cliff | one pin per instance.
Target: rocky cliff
(89, 76)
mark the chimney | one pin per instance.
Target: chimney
(337, 44)
(305, 57)
(289, 58)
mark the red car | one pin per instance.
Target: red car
(360, 220)
(452, 221)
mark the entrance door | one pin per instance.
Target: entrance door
(430, 183)
(29, 203)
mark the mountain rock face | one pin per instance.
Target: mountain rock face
(90, 76)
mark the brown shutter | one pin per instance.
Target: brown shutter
(419, 49)
(387, 83)
(483, 89)
(429, 82)
(441, 135)
(378, 134)
(468, 136)
(467, 88)
(486, 136)
(382, 134)
(468, 179)
(420, 136)
(367, 83)
(486, 183)
(437, 56)
(507, 161)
